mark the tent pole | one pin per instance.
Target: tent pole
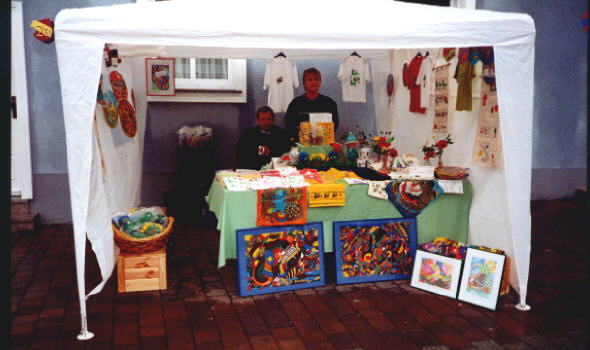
(522, 305)
(84, 333)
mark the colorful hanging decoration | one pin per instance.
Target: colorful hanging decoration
(108, 103)
(412, 197)
(281, 206)
(441, 99)
(125, 110)
(487, 146)
(449, 53)
(43, 30)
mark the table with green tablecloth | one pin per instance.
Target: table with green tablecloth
(447, 217)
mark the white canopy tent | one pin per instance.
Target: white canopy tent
(104, 180)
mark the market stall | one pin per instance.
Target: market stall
(104, 180)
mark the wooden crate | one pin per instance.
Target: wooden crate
(505, 286)
(139, 272)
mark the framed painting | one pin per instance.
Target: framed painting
(482, 277)
(277, 259)
(374, 250)
(436, 273)
(160, 77)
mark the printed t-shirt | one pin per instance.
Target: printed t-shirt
(354, 74)
(280, 78)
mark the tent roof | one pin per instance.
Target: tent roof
(305, 29)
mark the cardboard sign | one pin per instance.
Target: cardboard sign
(451, 186)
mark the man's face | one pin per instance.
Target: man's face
(312, 83)
(265, 121)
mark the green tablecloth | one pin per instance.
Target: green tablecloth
(446, 217)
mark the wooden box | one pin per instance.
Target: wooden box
(139, 272)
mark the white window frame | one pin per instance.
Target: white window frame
(231, 90)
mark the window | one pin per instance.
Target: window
(208, 80)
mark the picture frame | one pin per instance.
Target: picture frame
(160, 76)
(281, 258)
(436, 273)
(387, 249)
(481, 278)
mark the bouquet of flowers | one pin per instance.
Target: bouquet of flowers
(436, 149)
(381, 144)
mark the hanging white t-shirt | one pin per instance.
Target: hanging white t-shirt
(426, 81)
(280, 78)
(354, 74)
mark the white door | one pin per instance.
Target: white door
(20, 154)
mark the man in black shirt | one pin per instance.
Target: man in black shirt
(260, 143)
(311, 102)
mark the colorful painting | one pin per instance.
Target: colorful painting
(160, 76)
(277, 259)
(436, 273)
(281, 206)
(482, 277)
(374, 250)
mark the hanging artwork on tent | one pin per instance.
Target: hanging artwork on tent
(277, 259)
(441, 99)
(108, 104)
(281, 206)
(482, 277)
(160, 77)
(487, 147)
(374, 250)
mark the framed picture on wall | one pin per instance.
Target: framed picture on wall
(374, 250)
(160, 76)
(277, 259)
(436, 273)
(482, 277)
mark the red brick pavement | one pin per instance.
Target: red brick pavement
(201, 308)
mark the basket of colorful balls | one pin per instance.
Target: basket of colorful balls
(142, 230)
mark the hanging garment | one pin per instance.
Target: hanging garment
(464, 74)
(354, 74)
(410, 75)
(426, 81)
(280, 78)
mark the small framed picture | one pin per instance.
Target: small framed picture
(277, 259)
(374, 250)
(482, 277)
(436, 273)
(160, 77)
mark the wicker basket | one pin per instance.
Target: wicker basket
(142, 245)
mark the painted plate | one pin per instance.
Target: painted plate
(127, 117)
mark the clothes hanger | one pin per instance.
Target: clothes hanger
(280, 54)
(354, 53)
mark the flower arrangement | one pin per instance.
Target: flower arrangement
(381, 144)
(436, 149)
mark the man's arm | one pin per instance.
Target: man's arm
(291, 121)
(335, 117)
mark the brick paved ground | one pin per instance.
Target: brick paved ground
(201, 308)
